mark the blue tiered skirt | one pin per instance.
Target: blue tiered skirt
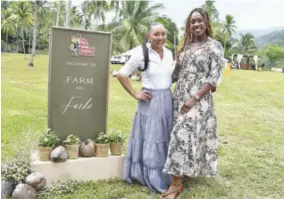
(149, 140)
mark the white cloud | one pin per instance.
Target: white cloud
(249, 14)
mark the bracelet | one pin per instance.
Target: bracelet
(196, 97)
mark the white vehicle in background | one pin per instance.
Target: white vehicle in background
(121, 59)
(115, 59)
(124, 59)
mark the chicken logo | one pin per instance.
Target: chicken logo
(80, 47)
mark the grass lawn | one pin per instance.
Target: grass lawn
(250, 111)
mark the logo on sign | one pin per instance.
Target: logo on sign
(80, 47)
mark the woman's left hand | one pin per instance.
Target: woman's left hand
(187, 106)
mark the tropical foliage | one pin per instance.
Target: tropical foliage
(245, 45)
(274, 54)
(26, 24)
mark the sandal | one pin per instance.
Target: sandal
(178, 189)
(186, 179)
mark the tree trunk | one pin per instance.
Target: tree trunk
(116, 9)
(34, 37)
(23, 41)
(6, 46)
(29, 49)
(225, 43)
(58, 13)
(96, 22)
(68, 10)
(85, 14)
(130, 45)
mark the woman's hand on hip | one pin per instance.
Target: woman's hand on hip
(143, 95)
(187, 106)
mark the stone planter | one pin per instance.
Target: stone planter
(116, 148)
(87, 148)
(36, 180)
(24, 191)
(7, 188)
(102, 150)
(58, 154)
(43, 153)
(72, 151)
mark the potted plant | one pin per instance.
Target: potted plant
(72, 144)
(102, 145)
(116, 142)
(46, 143)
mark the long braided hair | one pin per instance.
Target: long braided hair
(188, 36)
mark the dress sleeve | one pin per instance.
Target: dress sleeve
(132, 64)
(177, 69)
(217, 62)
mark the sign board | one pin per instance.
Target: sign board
(78, 82)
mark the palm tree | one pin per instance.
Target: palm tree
(172, 32)
(213, 13)
(8, 25)
(76, 18)
(116, 6)
(68, 11)
(85, 6)
(36, 4)
(116, 46)
(211, 9)
(225, 40)
(99, 9)
(86, 9)
(228, 27)
(58, 12)
(46, 16)
(246, 44)
(136, 16)
(5, 5)
(22, 13)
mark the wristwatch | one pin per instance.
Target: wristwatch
(196, 97)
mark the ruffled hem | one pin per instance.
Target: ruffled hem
(191, 174)
(151, 129)
(153, 155)
(153, 178)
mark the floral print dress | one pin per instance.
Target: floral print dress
(193, 145)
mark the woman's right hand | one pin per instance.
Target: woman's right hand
(143, 95)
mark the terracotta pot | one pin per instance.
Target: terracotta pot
(116, 148)
(102, 150)
(43, 153)
(72, 151)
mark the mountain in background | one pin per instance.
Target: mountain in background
(260, 32)
(267, 36)
(275, 37)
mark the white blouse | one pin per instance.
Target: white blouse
(159, 72)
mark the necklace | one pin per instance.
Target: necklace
(197, 45)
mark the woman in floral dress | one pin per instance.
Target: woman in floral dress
(193, 145)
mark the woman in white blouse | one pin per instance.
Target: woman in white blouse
(152, 124)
